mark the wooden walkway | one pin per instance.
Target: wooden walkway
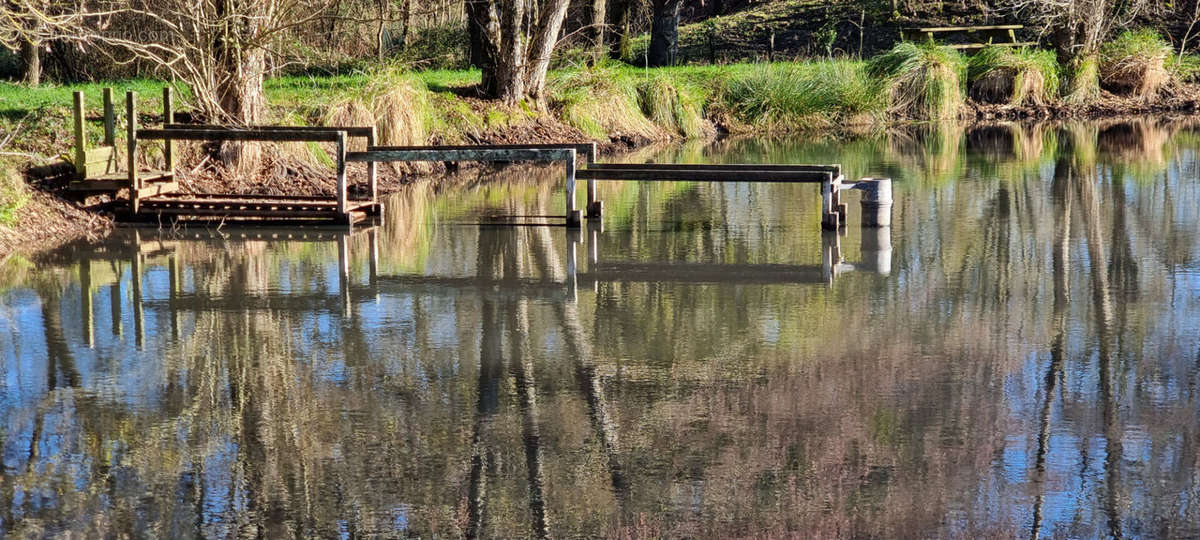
(154, 196)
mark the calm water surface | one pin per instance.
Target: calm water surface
(1018, 356)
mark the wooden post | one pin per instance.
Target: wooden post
(372, 172)
(110, 119)
(573, 239)
(595, 207)
(828, 217)
(114, 299)
(135, 184)
(344, 273)
(168, 118)
(342, 206)
(573, 216)
(139, 324)
(85, 302)
(373, 246)
(80, 137)
(173, 295)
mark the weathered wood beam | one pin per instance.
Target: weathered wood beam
(460, 154)
(718, 175)
(351, 131)
(248, 135)
(833, 169)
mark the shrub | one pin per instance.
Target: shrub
(1134, 64)
(1013, 76)
(923, 81)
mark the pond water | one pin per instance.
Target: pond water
(1019, 355)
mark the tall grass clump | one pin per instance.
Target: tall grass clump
(600, 103)
(397, 104)
(800, 95)
(1013, 76)
(923, 80)
(13, 195)
(1184, 68)
(674, 107)
(1135, 64)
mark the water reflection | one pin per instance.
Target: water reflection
(1017, 356)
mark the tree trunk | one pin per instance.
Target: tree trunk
(618, 20)
(510, 63)
(405, 19)
(380, 46)
(664, 33)
(482, 28)
(599, 22)
(31, 59)
(549, 26)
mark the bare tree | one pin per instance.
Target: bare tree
(1077, 28)
(512, 42)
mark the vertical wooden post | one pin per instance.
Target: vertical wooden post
(80, 137)
(114, 299)
(344, 272)
(828, 217)
(85, 302)
(372, 169)
(573, 216)
(168, 118)
(595, 207)
(373, 246)
(110, 119)
(135, 184)
(139, 324)
(173, 295)
(342, 206)
(573, 239)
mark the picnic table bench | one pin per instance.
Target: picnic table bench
(1003, 35)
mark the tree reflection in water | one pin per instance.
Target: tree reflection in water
(1024, 362)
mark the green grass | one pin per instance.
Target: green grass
(1013, 76)
(924, 80)
(13, 194)
(804, 94)
(1185, 68)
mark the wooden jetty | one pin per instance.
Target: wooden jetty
(154, 196)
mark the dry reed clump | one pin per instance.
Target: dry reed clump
(597, 102)
(1014, 77)
(924, 81)
(397, 105)
(673, 108)
(1135, 64)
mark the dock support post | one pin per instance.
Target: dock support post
(114, 303)
(139, 324)
(85, 302)
(342, 206)
(574, 236)
(372, 169)
(135, 184)
(173, 296)
(168, 118)
(830, 219)
(373, 261)
(80, 136)
(110, 119)
(876, 201)
(574, 217)
(344, 273)
(595, 207)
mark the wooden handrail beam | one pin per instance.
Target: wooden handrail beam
(709, 175)
(238, 135)
(351, 131)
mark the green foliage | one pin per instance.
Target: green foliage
(923, 80)
(804, 94)
(438, 47)
(1184, 68)
(1013, 76)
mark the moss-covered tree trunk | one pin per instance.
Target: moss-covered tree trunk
(664, 33)
(512, 43)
